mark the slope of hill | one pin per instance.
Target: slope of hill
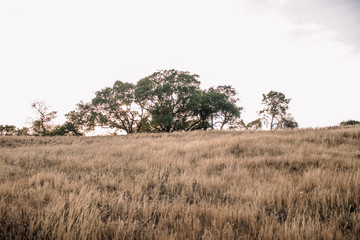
(199, 185)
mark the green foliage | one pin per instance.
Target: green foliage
(145, 126)
(253, 125)
(198, 125)
(8, 130)
(11, 130)
(166, 101)
(24, 131)
(349, 123)
(115, 107)
(170, 98)
(42, 125)
(275, 108)
(83, 118)
(225, 108)
(216, 107)
(287, 122)
(67, 129)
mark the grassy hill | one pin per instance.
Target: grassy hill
(199, 185)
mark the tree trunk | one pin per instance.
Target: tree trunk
(271, 124)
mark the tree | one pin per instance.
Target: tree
(8, 130)
(226, 110)
(203, 112)
(349, 123)
(275, 108)
(253, 125)
(83, 118)
(24, 131)
(42, 125)
(116, 108)
(169, 96)
(66, 129)
(216, 107)
(2, 130)
(287, 122)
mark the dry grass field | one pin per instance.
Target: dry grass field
(300, 184)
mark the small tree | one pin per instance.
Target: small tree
(24, 131)
(253, 125)
(275, 107)
(226, 109)
(116, 108)
(169, 96)
(66, 129)
(8, 130)
(42, 125)
(83, 118)
(349, 123)
(287, 122)
(216, 107)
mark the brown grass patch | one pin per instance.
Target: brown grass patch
(199, 185)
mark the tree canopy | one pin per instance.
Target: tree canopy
(170, 97)
(349, 123)
(42, 125)
(165, 101)
(114, 107)
(274, 113)
(12, 130)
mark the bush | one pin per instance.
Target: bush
(349, 123)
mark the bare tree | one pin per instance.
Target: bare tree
(275, 108)
(42, 125)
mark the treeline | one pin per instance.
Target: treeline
(166, 101)
(12, 130)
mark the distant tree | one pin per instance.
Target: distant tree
(42, 125)
(24, 131)
(275, 108)
(216, 107)
(253, 125)
(2, 130)
(66, 129)
(287, 122)
(226, 109)
(203, 111)
(349, 123)
(166, 101)
(169, 96)
(116, 108)
(83, 118)
(11, 130)
(7, 130)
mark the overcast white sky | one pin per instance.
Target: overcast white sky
(64, 51)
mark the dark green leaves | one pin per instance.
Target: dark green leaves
(165, 101)
(168, 96)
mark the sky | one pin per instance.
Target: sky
(62, 52)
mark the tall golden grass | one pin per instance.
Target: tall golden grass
(299, 184)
